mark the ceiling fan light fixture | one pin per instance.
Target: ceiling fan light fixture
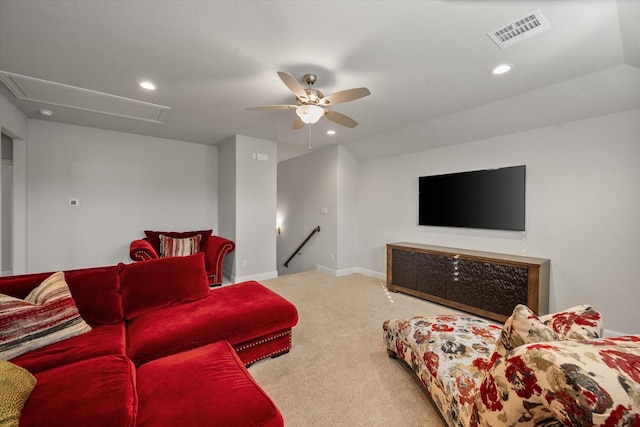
(310, 114)
(310, 102)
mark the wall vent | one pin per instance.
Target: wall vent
(46, 92)
(527, 26)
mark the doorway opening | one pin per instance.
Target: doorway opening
(6, 206)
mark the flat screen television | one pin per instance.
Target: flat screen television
(489, 199)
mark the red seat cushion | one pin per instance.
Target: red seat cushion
(94, 392)
(214, 389)
(235, 313)
(101, 341)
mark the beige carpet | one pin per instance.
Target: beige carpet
(338, 372)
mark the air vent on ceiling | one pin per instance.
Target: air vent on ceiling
(527, 26)
(46, 92)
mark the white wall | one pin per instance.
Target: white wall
(347, 238)
(14, 124)
(583, 205)
(323, 179)
(252, 220)
(227, 199)
(125, 184)
(307, 184)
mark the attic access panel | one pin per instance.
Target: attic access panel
(46, 92)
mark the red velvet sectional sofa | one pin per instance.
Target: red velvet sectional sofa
(163, 350)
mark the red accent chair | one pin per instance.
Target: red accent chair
(215, 248)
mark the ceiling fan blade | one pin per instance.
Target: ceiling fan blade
(298, 123)
(340, 119)
(293, 85)
(271, 107)
(345, 96)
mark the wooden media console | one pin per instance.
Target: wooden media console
(483, 283)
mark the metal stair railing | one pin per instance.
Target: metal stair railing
(297, 251)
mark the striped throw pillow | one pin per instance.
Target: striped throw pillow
(171, 246)
(47, 315)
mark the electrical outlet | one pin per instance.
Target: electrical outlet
(333, 257)
(245, 263)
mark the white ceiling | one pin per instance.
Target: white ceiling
(427, 64)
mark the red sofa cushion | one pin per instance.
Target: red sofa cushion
(94, 392)
(159, 283)
(214, 389)
(235, 313)
(96, 291)
(101, 341)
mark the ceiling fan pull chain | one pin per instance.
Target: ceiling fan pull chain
(309, 136)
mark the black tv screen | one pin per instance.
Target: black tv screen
(490, 199)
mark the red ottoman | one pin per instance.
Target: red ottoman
(214, 388)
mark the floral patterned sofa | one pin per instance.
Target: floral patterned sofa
(552, 370)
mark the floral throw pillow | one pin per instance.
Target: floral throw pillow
(522, 327)
(581, 322)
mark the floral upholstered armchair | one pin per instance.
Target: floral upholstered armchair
(164, 244)
(552, 370)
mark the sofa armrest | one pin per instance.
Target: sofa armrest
(571, 383)
(141, 250)
(217, 248)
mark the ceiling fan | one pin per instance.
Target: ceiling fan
(310, 102)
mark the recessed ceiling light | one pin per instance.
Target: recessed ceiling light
(147, 85)
(501, 69)
(46, 113)
(331, 132)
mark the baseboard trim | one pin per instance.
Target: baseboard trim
(327, 270)
(256, 277)
(371, 273)
(347, 271)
